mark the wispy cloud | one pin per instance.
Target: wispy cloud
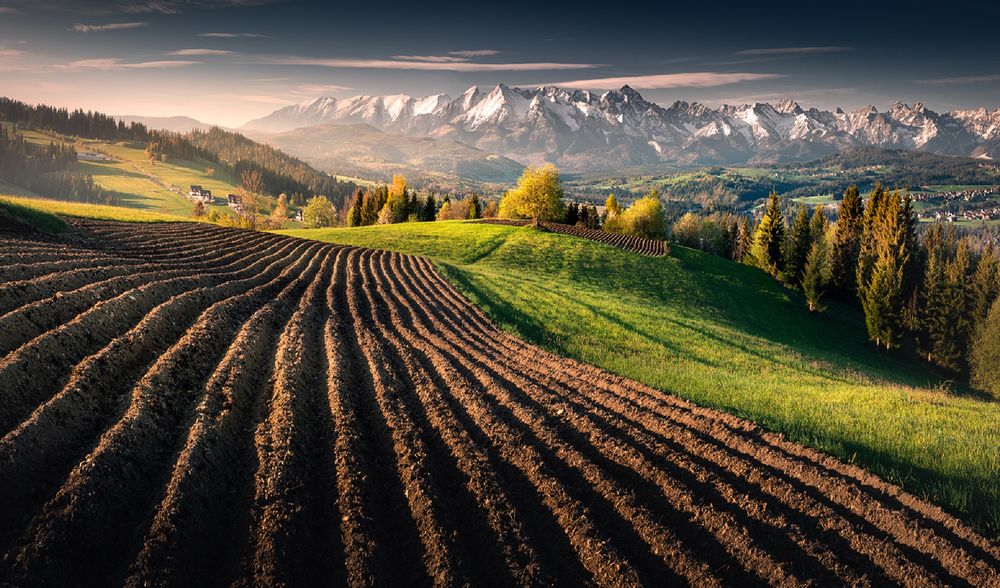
(117, 64)
(233, 35)
(411, 64)
(794, 50)
(151, 7)
(983, 79)
(474, 53)
(432, 58)
(451, 57)
(701, 79)
(194, 52)
(9, 10)
(114, 26)
(4, 52)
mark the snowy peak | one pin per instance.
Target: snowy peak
(580, 129)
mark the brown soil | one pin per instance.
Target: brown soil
(640, 245)
(191, 405)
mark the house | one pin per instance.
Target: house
(236, 202)
(194, 191)
(298, 216)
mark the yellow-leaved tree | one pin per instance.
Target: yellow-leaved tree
(538, 196)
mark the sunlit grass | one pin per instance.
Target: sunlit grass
(726, 336)
(97, 211)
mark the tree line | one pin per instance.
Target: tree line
(45, 169)
(933, 293)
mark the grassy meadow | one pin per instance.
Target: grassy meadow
(46, 209)
(727, 336)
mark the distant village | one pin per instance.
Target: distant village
(986, 198)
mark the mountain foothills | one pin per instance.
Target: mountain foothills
(582, 130)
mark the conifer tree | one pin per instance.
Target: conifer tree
(475, 208)
(818, 224)
(797, 247)
(885, 256)
(354, 213)
(984, 358)
(430, 208)
(939, 245)
(846, 245)
(572, 213)
(985, 287)
(765, 252)
(744, 239)
(815, 276)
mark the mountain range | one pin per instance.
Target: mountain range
(583, 130)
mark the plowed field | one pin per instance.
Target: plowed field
(190, 405)
(640, 245)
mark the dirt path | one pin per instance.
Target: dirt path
(185, 404)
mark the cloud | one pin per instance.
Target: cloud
(432, 58)
(703, 79)
(114, 26)
(190, 52)
(116, 64)
(151, 7)
(233, 35)
(4, 52)
(9, 10)
(412, 64)
(983, 79)
(474, 53)
(794, 50)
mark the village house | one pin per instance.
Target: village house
(235, 202)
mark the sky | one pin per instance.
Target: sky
(229, 61)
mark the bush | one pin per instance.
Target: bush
(319, 212)
(643, 219)
(538, 196)
(984, 358)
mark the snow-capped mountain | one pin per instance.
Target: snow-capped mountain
(580, 129)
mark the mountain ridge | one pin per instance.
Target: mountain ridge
(580, 129)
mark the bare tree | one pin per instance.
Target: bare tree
(251, 189)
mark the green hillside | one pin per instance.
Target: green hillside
(727, 336)
(138, 182)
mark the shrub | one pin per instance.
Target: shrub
(538, 196)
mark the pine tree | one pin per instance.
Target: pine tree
(984, 358)
(744, 239)
(985, 287)
(475, 208)
(846, 245)
(931, 303)
(765, 252)
(815, 276)
(430, 208)
(797, 247)
(572, 213)
(882, 265)
(818, 225)
(354, 214)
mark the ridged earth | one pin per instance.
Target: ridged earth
(184, 404)
(640, 245)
